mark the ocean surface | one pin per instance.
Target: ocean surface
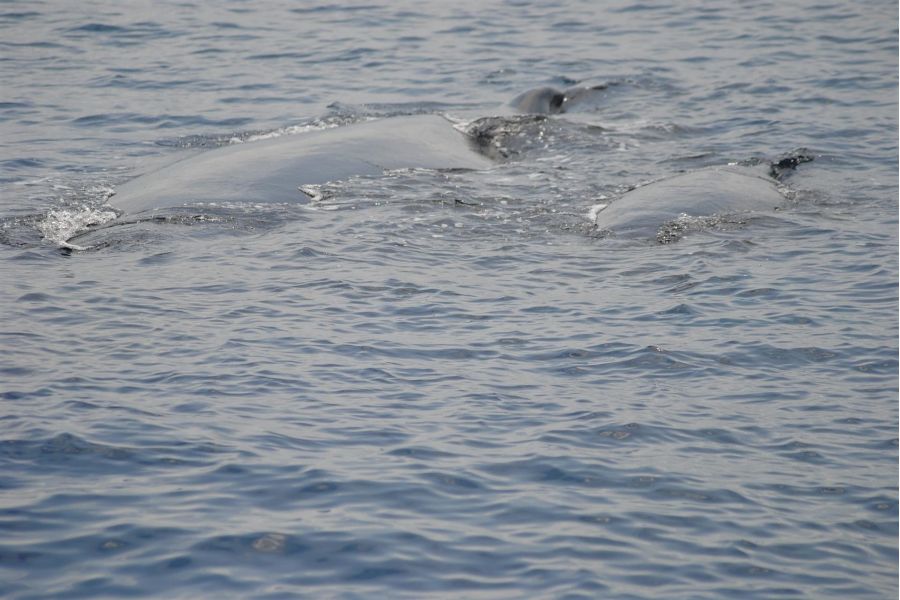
(449, 384)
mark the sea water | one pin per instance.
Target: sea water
(449, 384)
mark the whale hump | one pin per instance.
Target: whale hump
(724, 190)
(271, 171)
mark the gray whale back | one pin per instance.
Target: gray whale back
(551, 101)
(540, 101)
(725, 190)
(271, 171)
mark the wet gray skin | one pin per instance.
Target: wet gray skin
(273, 170)
(551, 101)
(540, 101)
(724, 190)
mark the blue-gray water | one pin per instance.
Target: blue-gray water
(447, 384)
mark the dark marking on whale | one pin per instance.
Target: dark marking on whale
(551, 101)
(505, 137)
(273, 170)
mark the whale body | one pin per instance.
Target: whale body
(272, 170)
(540, 101)
(551, 101)
(712, 191)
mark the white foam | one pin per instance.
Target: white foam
(314, 191)
(594, 210)
(60, 224)
(317, 125)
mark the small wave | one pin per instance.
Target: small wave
(162, 121)
(98, 28)
(19, 15)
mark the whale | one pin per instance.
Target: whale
(714, 191)
(274, 170)
(281, 169)
(551, 101)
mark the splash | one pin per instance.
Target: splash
(595, 209)
(60, 224)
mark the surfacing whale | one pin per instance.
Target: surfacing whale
(276, 170)
(551, 101)
(273, 170)
(708, 192)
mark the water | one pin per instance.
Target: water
(448, 384)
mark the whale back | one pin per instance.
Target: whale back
(272, 170)
(711, 191)
(540, 101)
(551, 101)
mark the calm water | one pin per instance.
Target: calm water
(447, 384)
